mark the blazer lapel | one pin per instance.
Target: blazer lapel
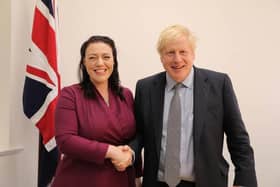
(157, 104)
(201, 89)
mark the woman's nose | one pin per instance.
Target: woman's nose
(99, 61)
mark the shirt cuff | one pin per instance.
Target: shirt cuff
(133, 157)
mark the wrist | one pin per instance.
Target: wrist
(111, 152)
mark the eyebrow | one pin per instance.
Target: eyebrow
(101, 54)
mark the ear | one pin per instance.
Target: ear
(161, 58)
(83, 65)
(84, 62)
(193, 55)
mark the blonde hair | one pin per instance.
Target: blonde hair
(173, 32)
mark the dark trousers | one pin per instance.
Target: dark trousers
(181, 184)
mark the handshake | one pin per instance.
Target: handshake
(120, 156)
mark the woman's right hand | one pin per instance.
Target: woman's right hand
(120, 156)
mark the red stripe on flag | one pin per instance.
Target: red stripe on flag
(39, 73)
(46, 123)
(44, 37)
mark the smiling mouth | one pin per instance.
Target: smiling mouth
(177, 67)
(100, 70)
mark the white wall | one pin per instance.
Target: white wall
(17, 168)
(238, 37)
(5, 45)
(5, 162)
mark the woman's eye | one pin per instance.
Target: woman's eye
(92, 58)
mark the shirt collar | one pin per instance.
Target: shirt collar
(188, 82)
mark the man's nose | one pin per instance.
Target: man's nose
(177, 57)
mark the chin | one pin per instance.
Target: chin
(98, 82)
(178, 78)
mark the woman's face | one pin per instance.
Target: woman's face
(99, 62)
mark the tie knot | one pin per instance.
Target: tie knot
(177, 86)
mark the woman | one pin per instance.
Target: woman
(93, 120)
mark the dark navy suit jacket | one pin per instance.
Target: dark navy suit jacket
(216, 112)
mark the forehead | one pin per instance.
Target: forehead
(98, 47)
(178, 43)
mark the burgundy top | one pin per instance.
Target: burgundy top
(84, 129)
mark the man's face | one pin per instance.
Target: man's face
(177, 58)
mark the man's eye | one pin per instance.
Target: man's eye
(170, 53)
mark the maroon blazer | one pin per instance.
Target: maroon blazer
(84, 129)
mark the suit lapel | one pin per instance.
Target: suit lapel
(201, 89)
(157, 104)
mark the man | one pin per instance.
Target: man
(208, 109)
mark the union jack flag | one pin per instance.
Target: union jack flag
(42, 81)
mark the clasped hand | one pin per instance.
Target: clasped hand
(120, 156)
